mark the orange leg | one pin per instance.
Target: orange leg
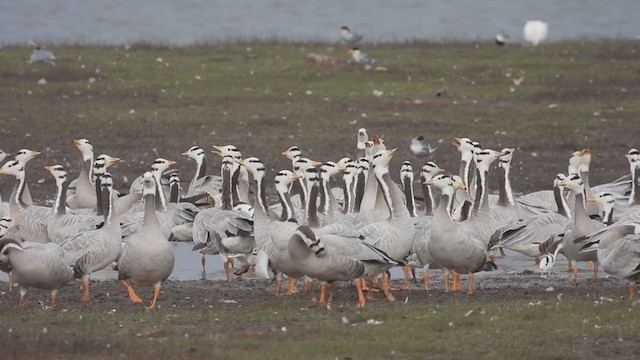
(595, 271)
(10, 281)
(457, 284)
(323, 294)
(425, 279)
(85, 290)
(132, 294)
(308, 285)
(502, 254)
(203, 260)
(385, 288)
(407, 271)
(227, 267)
(569, 265)
(54, 298)
(278, 286)
(575, 274)
(156, 292)
(292, 288)
(446, 283)
(22, 300)
(633, 291)
(231, 263)
(361, 301)
(364, 284)
(470, 288)
(590, 265)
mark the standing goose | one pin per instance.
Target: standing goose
(466, 148)
(335, 253)
(147, 258)
(85, 195)
(576, 237)
(100, 166)
(38, 265)
(33, 226)
(454, 246)
(224, 230)
(94, 250)
(428, 171)
(24, 156)
(240, 191)
(201, 182)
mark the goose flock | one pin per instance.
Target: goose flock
(345, 221)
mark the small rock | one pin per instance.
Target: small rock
(42, 81)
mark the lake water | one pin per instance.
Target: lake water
(184, 22)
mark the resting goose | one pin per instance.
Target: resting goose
(94, 250)
(147, 258)
(85, 195)
(38, 265)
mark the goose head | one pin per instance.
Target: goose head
(24, 155)
(350, 168)
(556, 181)
(585, 160)
(363, 137)
(328, 169)
(378, 144)
(58, 173)
(293, 153)
(464, 146)
(108, 160)
(505, 158)
(195, 152)
(442, 182)
(406, 171)
(283, 178)
(633, 156)
(13, 167)
(229, 150)
(574, 163)
(305, 234)
(341, 165)
(485, 157)
(458, 183)
(106, 181)
(160, 165)
(364, 165)
(174, 179)
(253, 165)
(429, 170)
(85, 148)
(302, 164)
(604, 199)
(574, 183)
(148, 184)
(381, 159)
(4, 155)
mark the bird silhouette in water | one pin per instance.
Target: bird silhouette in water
(420, 148)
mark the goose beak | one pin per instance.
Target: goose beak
(76, 142)
(171, 162)
(316, 164)
(186, 153)
(285, 153)
(2, 171)
(562, 182)
(35, 153)
(461, 186)
(10, 155)
(592, 199)
(585, 151)
(49, 168)
(216, 149)
(115, 160)
(295, 177)
(350, 51)
(392, 151)
(498, 154)
(428, 182)
(440, 171)
(455, 141)
(240, 161)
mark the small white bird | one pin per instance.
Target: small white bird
(348, 36)
(358, 57)
(535, 31)
(41, 55)
(419, 147)
(502, 39)
(362, 139)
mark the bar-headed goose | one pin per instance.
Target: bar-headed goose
(38, 265)
(85, 195)
(202, 183)
(147, 258)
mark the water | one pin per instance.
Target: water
(191, 21)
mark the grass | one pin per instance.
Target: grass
(290, 329)
(263, 97)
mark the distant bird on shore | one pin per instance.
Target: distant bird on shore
(348, 36)
(535, 31)
(419, 147)
(40, 55)
(359, 57)
(502, 39)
